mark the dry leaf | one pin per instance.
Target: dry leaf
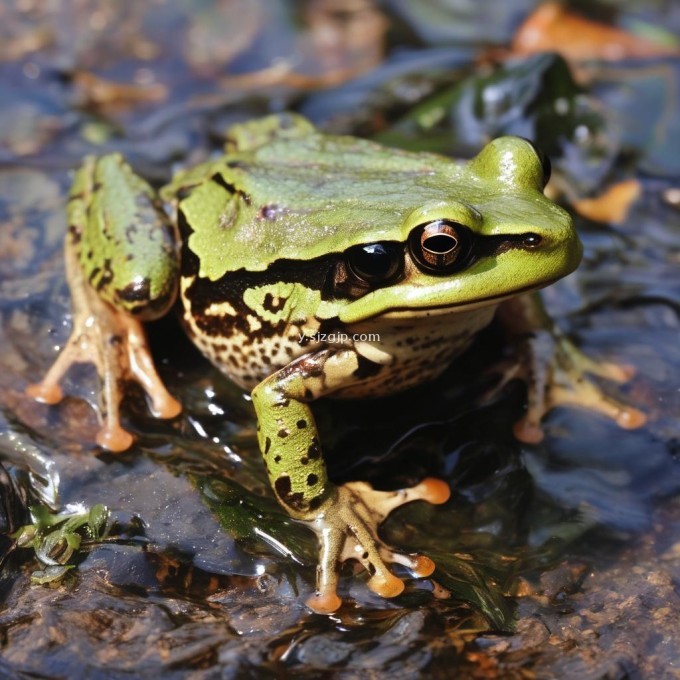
(611, 206)
(553, 28)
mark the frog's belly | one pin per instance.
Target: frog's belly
(421, 347)
(413, 349)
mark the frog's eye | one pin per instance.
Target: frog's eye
(441, 246)
(376, 263)
(543, 160)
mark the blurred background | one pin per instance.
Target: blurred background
(554, 560)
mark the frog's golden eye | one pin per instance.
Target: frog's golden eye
(376, 263)
(441, 246)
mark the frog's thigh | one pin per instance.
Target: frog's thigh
(126, 246)
(287, 432)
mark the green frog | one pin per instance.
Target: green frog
(310, 265)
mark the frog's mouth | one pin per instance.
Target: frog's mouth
(459, 307)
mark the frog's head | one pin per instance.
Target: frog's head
(496, 237)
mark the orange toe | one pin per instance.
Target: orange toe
(45, 394)
(423, 567)
(528, 432)
(324, 603)
(631, 418)
(386, 585)
(114, 439)
(435, 491)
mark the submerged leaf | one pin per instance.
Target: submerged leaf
(466, 582)
(51, 574)
(256, 522)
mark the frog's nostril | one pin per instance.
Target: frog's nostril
(531, 240)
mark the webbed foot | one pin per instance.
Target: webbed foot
(115, 343)
(347, 527)
(555, 372)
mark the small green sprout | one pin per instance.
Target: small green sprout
(56, 537)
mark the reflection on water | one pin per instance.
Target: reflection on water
(571, 543)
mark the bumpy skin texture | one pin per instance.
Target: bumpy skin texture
(272, 291)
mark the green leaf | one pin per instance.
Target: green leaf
(467, 582)
(96, 520)
(51, 574)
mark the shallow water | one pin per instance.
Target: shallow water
(559, 559)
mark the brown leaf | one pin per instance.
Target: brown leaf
(102, 93)
(611, 206)
(553, 28)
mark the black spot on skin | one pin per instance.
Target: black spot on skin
(283, 433)
(315, 503)
(301, 424)
(137, 291)
(277, 459)
(231, 188)
(364, 556)
(95, 272)
(183, 192)
(130, 232)
(269, 305)
(314, 451)
(309, 395)
(76, 234)
(267, 445)
(304, 460)
(282, 486)
(96, 187)
(371, 569)
(105, 275)
(312, 479)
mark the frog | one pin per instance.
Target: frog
(307, 265)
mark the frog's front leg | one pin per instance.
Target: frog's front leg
(119, 252)
(345, 518)
(555, 371)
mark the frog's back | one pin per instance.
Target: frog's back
(310, 196)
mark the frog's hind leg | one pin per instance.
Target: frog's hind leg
(555, 371)
(115, 343)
